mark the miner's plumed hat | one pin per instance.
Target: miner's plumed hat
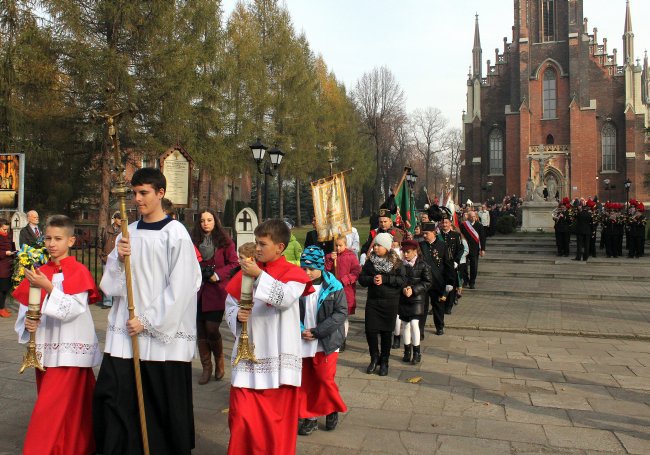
(384, 213)
(389, 206)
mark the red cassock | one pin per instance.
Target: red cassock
(61, 422)
(263, 422)
(319, 394)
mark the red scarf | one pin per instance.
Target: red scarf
(76, 279)
(472, 232)
(280, 270)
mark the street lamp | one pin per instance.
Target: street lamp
(627, 184)
(265, 168)
(461, 189)
(607, 182)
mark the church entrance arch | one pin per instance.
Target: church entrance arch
(554, 181)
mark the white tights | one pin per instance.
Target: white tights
(398, 326)
(411, 330)
(346, 325)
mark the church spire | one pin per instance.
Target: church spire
(628, 37)
(477, 53)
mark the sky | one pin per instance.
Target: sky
(427, 44)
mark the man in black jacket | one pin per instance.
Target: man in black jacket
(455, 252)
(385, 225)
(474, 233)
(562, 236)
(436, 255)
(31, 234)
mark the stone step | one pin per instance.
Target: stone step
(552, 259)
(586, 275)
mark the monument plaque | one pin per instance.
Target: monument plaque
(245, 224)
(176, 166)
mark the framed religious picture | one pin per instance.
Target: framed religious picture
(176, 165)
(12, 178)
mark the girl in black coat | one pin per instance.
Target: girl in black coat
(383, 275)
(412, 300)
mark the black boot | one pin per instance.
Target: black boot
(373, 364)
(331, 421)
(396, 342)
(383, 367)
(417, 357)
(407, 353)
(308, 427)
(342, 348)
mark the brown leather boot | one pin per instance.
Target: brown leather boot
(219, 370)
(206, 361)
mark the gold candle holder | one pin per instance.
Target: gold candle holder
(245, 348)
(31, 360)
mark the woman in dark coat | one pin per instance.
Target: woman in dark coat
(219, 258)
(6, 264)
(383, 275)
(412, 300)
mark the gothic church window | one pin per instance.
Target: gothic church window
(548, 20)
(496, 152)
(549, 88)
(608, 140)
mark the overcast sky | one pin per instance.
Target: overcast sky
(427, 44)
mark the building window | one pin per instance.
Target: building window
(496, 152)
(550, 93)
(608, 139)
(548, 20)
(550, 140)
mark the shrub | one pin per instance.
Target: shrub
(506, 224)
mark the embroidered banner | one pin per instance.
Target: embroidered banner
(331, 207)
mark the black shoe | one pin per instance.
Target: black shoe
(585, 259)
(383, 367)
(342, 348)
(373, 365)
(422, 335)
(331, 421)
(408, 352)
(440, 332)
(447, 310)
(308, 427)
(471, 286)
(417, 357)
(396, 342)
(575, 259)
(465, 283)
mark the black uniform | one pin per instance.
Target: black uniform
(455, 251)
(583, 231)
(442, 273)
(562, 237)
(636, 225)
(594, 230)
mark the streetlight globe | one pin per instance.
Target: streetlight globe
(258, 150)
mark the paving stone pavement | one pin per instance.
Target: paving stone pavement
(480, 392)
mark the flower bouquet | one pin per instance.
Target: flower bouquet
(28, 257)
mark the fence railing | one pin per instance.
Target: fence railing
(87, 248)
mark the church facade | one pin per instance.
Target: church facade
(556, 110)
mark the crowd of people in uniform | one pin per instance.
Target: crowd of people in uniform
(584, 217)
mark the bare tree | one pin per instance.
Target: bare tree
(380, 102)
(453, 141)
(428, 127)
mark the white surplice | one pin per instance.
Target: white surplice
(311, 347)
(66, 335)
(274, 329)
(166, 277)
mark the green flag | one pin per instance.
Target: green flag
(405, 215)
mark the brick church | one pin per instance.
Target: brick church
(556, 109)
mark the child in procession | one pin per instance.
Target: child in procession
(66, 345)
(322, 318)
(384, 276)
(264, 396)
(411, 303)
(344, 264)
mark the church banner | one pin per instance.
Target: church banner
(331, 207)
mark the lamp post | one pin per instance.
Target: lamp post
(461, 190)
(606, 182)
(627, 184)
(266, 168)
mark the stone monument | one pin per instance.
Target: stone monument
(245, 224)
(536, 213)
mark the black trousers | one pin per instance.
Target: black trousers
(611, 247)
(592, 245)
(582, 250)
(562, 240)
(619, 244)
(472, 269)
(373, 336)
(451, 299)
(167, 390)
(438, 308)
(636, 246)
(5, 285)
